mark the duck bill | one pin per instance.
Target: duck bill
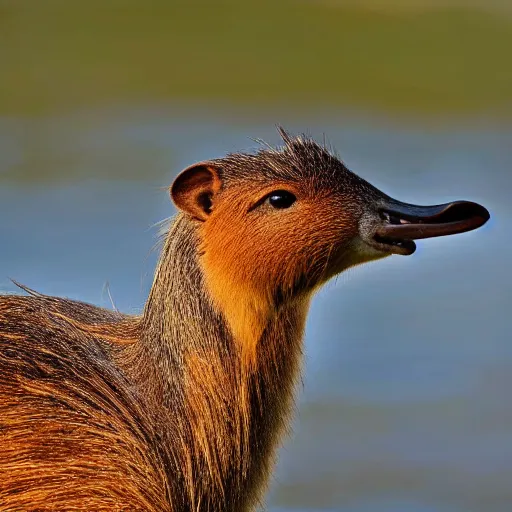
(402, 223)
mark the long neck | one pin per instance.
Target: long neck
(222, 418)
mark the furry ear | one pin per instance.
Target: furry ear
(194, 189)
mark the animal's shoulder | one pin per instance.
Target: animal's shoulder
(50, 319)
(60, 344)
(68, 414)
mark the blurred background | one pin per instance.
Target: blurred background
(404, 405)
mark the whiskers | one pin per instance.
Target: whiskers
(106, 289)
(162, 228)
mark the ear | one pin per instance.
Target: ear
(194, 189)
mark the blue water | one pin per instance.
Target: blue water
(404, 404)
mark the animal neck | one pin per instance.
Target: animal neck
(223, 416)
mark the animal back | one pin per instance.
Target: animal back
(73, 433)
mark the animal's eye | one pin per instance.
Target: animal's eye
(281, 199)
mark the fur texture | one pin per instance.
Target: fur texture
(181, 408)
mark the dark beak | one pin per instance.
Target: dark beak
(402, 223)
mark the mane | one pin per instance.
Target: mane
(300, 157)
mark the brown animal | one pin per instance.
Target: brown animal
(181, 408)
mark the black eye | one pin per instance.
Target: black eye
(281, 199)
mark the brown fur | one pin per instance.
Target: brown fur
(72, 436)
(180, 409)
